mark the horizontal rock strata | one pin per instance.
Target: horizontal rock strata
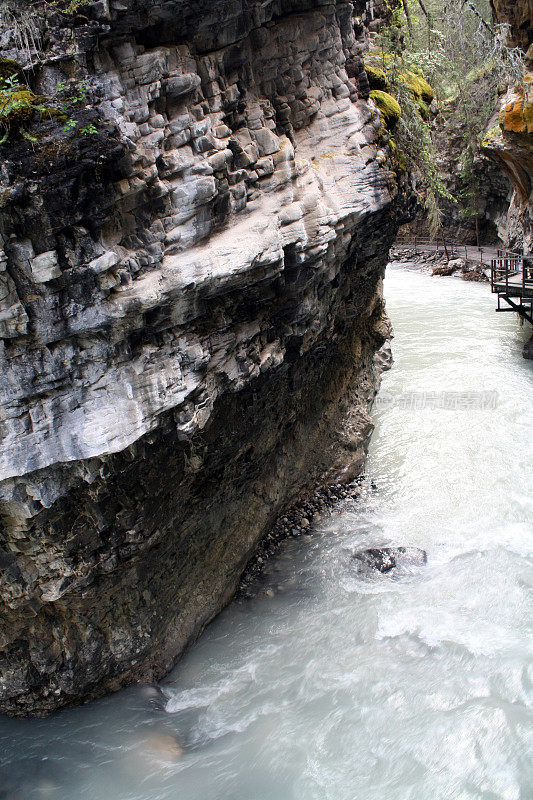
(190, 305)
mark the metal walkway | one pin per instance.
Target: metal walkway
(510, 274)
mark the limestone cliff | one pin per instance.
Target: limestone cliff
(509, 141)
(189, 310)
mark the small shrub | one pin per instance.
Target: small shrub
(18, 105)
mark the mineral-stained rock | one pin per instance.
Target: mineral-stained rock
(509, 140)
(509, 143)
(190, 301)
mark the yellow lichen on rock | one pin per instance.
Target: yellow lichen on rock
(528, 116)
(516, 116)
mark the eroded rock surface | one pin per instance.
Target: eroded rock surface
(509, 140)
(190, 305)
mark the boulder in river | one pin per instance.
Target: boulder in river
(384, 559)
(450, 267)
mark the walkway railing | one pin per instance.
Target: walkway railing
(510, 273)
(450, 247)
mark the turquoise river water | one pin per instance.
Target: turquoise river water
(414, 685)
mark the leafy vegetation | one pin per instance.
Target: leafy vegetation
(19, 107)
(451, 53)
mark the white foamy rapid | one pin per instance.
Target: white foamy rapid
(344, 686)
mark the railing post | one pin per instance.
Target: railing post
(506, 265)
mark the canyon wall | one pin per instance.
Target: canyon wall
(190, 305)
(492, 203)
(518, 14)
(509, 140)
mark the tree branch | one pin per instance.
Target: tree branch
(474, 10)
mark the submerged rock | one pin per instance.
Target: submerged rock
(164, 746)
(153, 695)
(149, 750)
(384, 559)
(31, 777)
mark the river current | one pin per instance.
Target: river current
(334, 685)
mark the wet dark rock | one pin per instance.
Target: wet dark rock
(296, 522)
(153, 695)
(384, 559)
(447, 269)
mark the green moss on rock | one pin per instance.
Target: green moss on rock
(376, 77)
(17, 107)
(388, 106)
(413, 79)
(18, 104)
(8, 68)
(421, 91)
(419, 86)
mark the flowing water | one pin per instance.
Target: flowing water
(412, 685)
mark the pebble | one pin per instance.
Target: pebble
(294, 523)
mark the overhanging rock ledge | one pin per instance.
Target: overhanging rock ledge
(190, 304)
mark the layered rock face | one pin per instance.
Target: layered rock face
(190, 308)
(509, 142)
